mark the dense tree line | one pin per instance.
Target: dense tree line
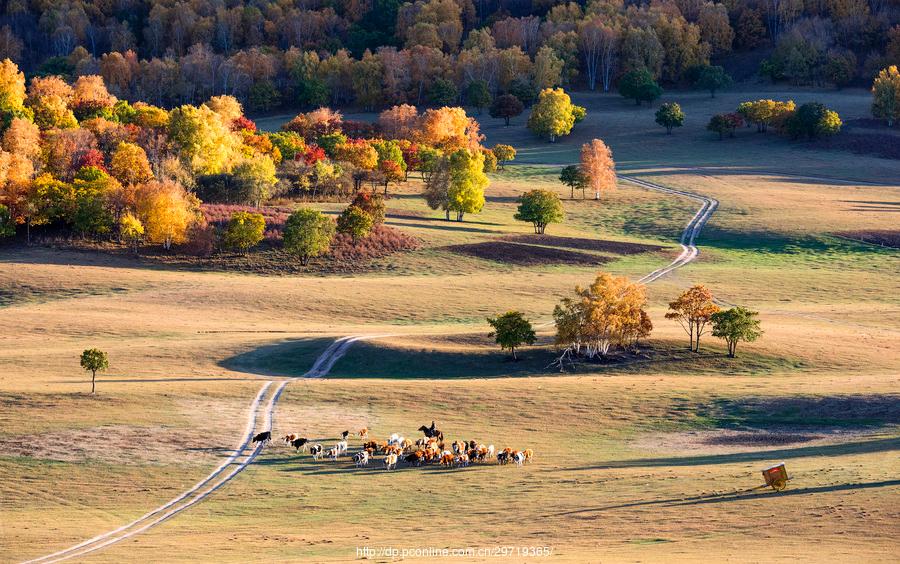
(76, 158)
(378, 53)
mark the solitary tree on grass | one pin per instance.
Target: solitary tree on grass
(639, 86)
(735, 325)
(725, 123)
(670, 116)
(540, 207)
(354, 221)
(506, 106)
(713, 78)
(308, 233)
(598, 166)
(573, 177)
(511, 331)
(94, 360)
(693, 309)
(554, 115)
(504, 154)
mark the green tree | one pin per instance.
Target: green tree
(354, 221)
(840, 68)
(554, 115)
(467, 182)
(669, 115)
(308, 233)
(93, 214)
(94, 360)
(7, 225)
(575, 178)
(886, 95)
(511, 331)
(812, 120)
(735, 325)
(712, 78)
(506, 106)
(263, 96)
(541, 208)
(244, 230)
(504, 154)
(478, 94)
(257, 174)
(443, 93)
(638, 85)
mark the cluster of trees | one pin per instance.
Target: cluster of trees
(441, 52)
(75, 157)
(596, 171)
(611, 312)
(846, 43)
(808, 121)
(695, 309)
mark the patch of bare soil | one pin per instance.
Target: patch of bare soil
(726, 441)
(584, 244)
(120, 444)
(525, 255)
(885, 237)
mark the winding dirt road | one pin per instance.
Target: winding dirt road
(261, 413)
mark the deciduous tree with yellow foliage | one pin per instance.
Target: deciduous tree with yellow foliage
(166, 211)
(554, 115)
(886, 95)
(610, 312)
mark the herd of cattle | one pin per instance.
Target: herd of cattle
(430, 449)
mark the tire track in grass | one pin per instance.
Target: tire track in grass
(218, 477)
(689, 250)
(320, 368)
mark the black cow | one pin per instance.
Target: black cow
(299, 443)
(264, 437)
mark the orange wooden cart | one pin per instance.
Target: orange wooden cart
(776, 476)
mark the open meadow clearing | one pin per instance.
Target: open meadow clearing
(651, 456)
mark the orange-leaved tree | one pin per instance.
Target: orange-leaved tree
(693, 309)
(598, 165)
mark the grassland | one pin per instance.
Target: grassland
(644, 459)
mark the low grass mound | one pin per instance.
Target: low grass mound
(526, 255)
(585, 244)
(474, 355)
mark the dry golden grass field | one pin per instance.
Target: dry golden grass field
(649, 460)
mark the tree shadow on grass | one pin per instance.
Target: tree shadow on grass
(371, 359)
(745, 495)
(804, 411)
(855, 447)
(768, 242)
(290, 357)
